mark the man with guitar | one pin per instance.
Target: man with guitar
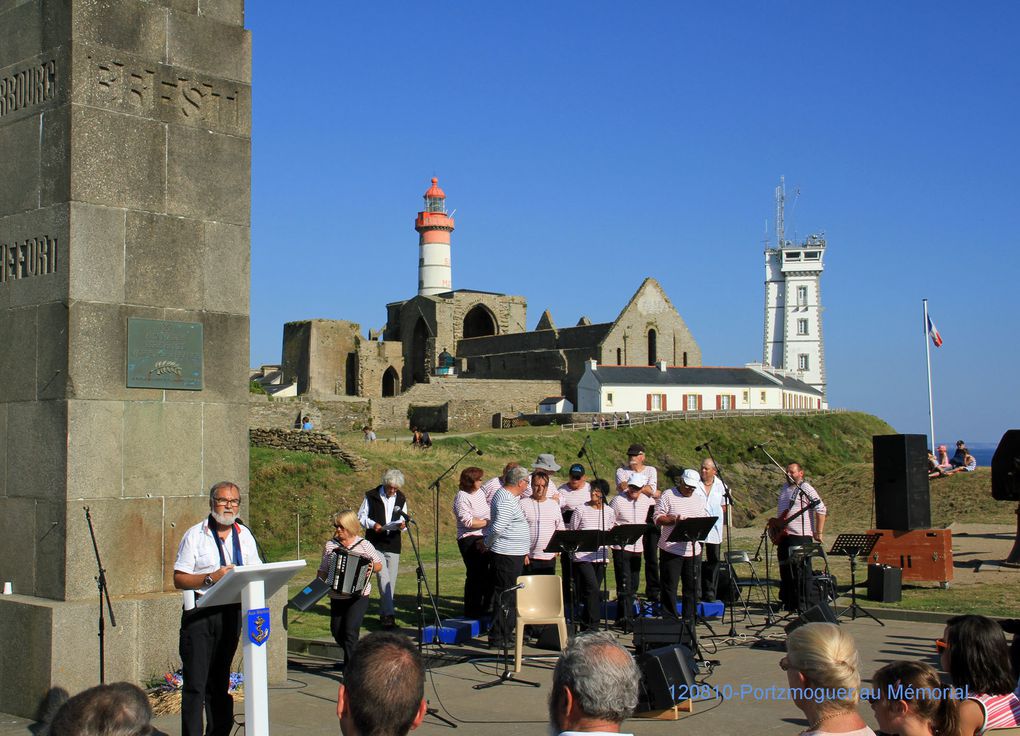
(800, 520)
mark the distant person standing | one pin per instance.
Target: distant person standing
(805, 529)
(508, 538)
(711, 490)
(631, 507)
(591, 566)
(544, 520)
(650, 541)
(382, 514)
(680, 561)
(472, 512)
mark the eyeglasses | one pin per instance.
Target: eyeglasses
(941, 645)
(227, 501)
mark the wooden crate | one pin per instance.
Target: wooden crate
(922, 554)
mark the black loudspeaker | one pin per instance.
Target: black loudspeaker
(650, 633)
(667, 674)
(885, 583)
(818, 614)
(549, 638)
(1006, 468)
(725, 590)
(901, 482)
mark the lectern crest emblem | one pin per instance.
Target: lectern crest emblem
(258, 626)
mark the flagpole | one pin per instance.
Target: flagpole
(927, 355)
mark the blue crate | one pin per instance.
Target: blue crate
(474, 626)
(715, 609)
(447, 634)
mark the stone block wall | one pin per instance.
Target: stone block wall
(296, 440)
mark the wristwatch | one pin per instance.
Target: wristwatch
(208, 580)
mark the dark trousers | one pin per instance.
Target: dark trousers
(710, 571)
(570, 586)
(790, 578)
(505, 571)
(478, 581)
(627, 568)
(541, 567)
(207, 646)
(590, 576)
(345, 616)
(650, 540)
(686, 571)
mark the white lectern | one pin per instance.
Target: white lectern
(251, 585)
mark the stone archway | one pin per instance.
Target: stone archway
(653, 354)
(390, 382)
(419, 341)
(479, 322)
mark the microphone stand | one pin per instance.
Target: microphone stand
(104, 593)
(729, 542)
(507, 675)
(587, 455)
(435, 508)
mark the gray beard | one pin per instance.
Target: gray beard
(224, 519)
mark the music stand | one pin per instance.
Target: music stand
(570, 541)
(694, 529)
(854, 546)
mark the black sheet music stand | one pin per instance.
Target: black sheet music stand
(854, 546)
(694, 529)
(569, 541)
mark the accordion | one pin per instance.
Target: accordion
(348, 573)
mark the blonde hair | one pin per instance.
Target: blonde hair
(827, 657)
(348, 520)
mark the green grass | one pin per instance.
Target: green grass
(291, 491)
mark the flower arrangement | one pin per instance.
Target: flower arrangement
(165, 693)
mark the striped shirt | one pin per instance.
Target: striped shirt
(714, 500)
(467, 507)
(490, 487)
(507, 532)
(671, 503)
(571, 499)
(360, 547)
(623, 475)
(632, 512)
(589, 517)
(1001, 711)
(803, 525)
(544, 518)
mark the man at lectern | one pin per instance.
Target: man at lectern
(209, 636)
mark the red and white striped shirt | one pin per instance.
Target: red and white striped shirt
(803, 525)
(544, 519)
(490, 487)
(589, 517)
(571, 499)
(469, 506)
(671, 503)
(632, 512)
(1001, 711)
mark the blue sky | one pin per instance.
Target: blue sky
(587, 145)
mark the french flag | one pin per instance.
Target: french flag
(933, 333)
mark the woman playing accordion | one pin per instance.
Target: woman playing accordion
(342, 553)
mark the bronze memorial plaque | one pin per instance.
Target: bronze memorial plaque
(164, 354)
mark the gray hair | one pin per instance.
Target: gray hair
(393, 477)
(711, 462)
(515, 476)
(220, 486)
(601, 674)
(118, 709)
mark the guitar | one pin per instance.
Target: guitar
(777, 526)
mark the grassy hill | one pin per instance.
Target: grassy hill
(293, 495)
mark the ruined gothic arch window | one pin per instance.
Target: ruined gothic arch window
(652, 352)
(619, 356)
(390, 382)
(479, 322)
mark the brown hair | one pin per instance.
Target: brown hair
(922, 681)
(468, 478)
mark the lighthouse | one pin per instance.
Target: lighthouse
(434, 227)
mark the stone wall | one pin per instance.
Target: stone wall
(339, 414)
(315, 354)
(296, 440)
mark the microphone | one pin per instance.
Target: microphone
(758, 446)
(516, 587)
(472, 446)
(404, 515)
(701, 447)
(580, 453)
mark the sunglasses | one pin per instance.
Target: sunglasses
(941, 645)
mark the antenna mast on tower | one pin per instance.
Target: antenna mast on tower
(780, 203)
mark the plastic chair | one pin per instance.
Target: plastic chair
(540, 601)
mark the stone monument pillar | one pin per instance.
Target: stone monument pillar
(125, 137)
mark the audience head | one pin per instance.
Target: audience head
(976, 656)
(823, 656)
(119, 709)
(383, 689)
(469, 478)
(595, 684)
(925, 708)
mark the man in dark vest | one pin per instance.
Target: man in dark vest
(383, 514)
